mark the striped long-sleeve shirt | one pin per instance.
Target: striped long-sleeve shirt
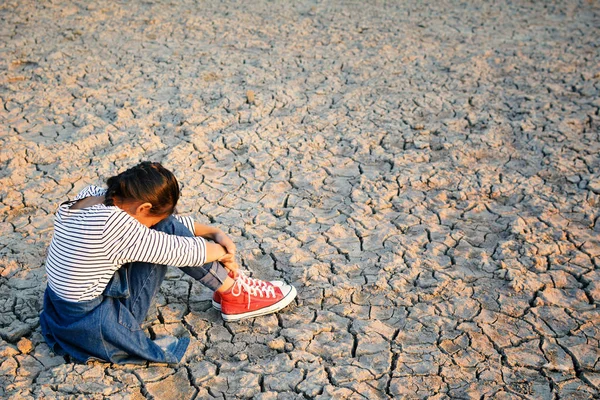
(91, 243)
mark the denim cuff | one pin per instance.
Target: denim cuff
(215, 276)
(212, 275)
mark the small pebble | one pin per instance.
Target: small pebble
(277, 344)
(250, 96)
(25, 346)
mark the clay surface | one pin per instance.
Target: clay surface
(427, 174)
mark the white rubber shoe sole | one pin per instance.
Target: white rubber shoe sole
(287, 299)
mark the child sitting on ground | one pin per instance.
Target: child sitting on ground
(109, 255)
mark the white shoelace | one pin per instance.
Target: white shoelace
(251, 281)
(263, 291)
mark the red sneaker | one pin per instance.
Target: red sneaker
(245, 301)
(216, 300)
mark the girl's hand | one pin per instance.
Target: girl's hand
(214, 234)
(224, 240)
(228, 261)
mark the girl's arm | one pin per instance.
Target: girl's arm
(216, 235)
(214, 252)
(126, 240)
(222, 241)
(206, 231)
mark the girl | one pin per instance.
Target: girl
(108, 257)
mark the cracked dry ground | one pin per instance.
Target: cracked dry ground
(427, 175)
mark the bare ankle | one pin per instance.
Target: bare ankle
(227, 284)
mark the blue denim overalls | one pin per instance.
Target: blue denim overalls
(108, 327)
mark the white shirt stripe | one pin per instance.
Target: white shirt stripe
(91, 243)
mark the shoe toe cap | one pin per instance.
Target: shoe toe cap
(287, 290)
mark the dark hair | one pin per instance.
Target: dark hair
(148, 182)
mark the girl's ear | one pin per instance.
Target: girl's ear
(143, 208)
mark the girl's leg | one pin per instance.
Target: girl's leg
(136, 284)
(243, 303)
(144, 279)
(212, 275)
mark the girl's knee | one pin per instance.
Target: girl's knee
(172, 226)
